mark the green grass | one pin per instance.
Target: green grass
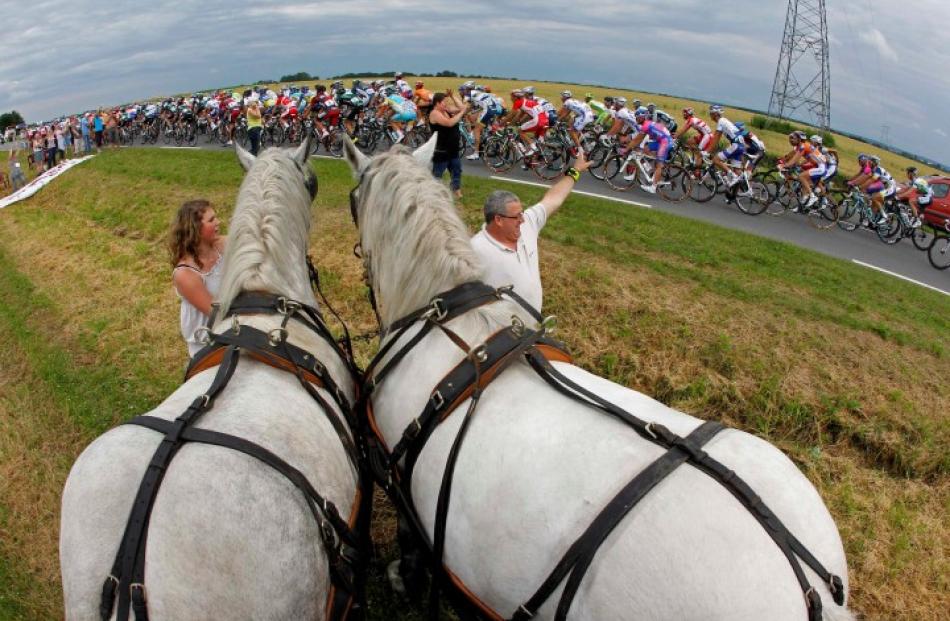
(835, 364)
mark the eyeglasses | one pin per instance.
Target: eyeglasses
(518, 216)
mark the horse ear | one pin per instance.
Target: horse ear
(303, 151)
(423, 154)
(244, 157)
(354, 157)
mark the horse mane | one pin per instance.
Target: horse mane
(269, 233)
(416, 241)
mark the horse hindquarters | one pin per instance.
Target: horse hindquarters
(531, 478)
(229, 537)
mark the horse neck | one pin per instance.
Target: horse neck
(420, 247)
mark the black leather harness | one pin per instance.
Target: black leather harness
(345, 540)
(393, 467)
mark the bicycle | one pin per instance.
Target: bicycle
(623, 170)
(855, 211)
(939, 252)
(505, 148)
(786, 195)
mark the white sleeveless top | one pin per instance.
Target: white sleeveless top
(191, 317)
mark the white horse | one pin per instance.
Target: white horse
(536, 467)
(229, 537)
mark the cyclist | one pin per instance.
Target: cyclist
(323, 107)
(810, 159)
(600, 109)
(488, 107)
(870, 183)
(699, 144)
(397, 110)
(754, 147)
(403, 86)
(422, 97)
(546, 105)
(532, 119)
(731, 155)
(918, 194)
(831, 161)
(659, 115)
(624, 120)
(583, 115)
(660, 143)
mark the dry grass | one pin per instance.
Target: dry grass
(864, 416)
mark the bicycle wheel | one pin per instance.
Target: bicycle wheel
(923, 238)
(620, 174)
(939, 252)
(824, 215)
(754, 200)
(849, 216)
(168, 134)
(499, 153)
(334, 142)
(597, 157)
(550, 161)
(890, 230)
(781, 199)
(671, 186)
(704, 186)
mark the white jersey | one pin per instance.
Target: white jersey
(698, 124)
(626, 115)
(546, 106)
(728, 129)
(578, 108)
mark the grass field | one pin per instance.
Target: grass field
(843, 368)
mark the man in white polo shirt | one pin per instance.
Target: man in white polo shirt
(508, 241)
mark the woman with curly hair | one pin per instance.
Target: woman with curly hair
(195, 248)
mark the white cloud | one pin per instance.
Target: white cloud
(877, 40)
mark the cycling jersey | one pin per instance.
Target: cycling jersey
(924, 191)
(626, 115)
(578, 108)
(728, 129)
(404, 89)
(666, 119)
(811, 157)
(424, 96)
(694, 122)
(596, 106)
(547, 106)
(655, 131)
(539, 119)
(403, 109)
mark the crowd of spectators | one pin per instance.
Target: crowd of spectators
(48, 144)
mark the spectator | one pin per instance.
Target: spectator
(254, 127)
(508, 241)
(39, 150)
(195, 248)
(98, 127)
(112, 131)
(61, 141)
(17, 178)
(444, 120)
(84, 130)
(51, 146)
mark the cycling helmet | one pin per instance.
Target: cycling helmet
(479, 87)
(337, 85)
(398, 75)
(566, 94)
(715, 109)
(636, 104)
(876, 159)
(467, 85)
(651, 107)
(815, 139)
(518, 93)
(863, 157)
(912, 170)
(588, 96)
(742, 129)
(321, 88)
(608, 100)
(641, 112)
(687, 112)
(419, 84)
(620, 101)
(528, 90)
(357, 83)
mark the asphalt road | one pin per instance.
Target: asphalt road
(862, 247)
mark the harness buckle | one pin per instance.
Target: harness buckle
(479, 353)
(205, 400)
(286, 306)
(437, 401)
(527, 614)
(549, 324)
(517, 326)
(277, 336)
(438, 310)
(235, 325)
(500, 291)
(330, 536)
(203, 335)
(649, 430)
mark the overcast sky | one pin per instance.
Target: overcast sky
(890, 64)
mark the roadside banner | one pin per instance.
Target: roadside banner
(34, 186)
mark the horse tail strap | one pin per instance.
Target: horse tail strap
(574, 563)
(345, 541)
